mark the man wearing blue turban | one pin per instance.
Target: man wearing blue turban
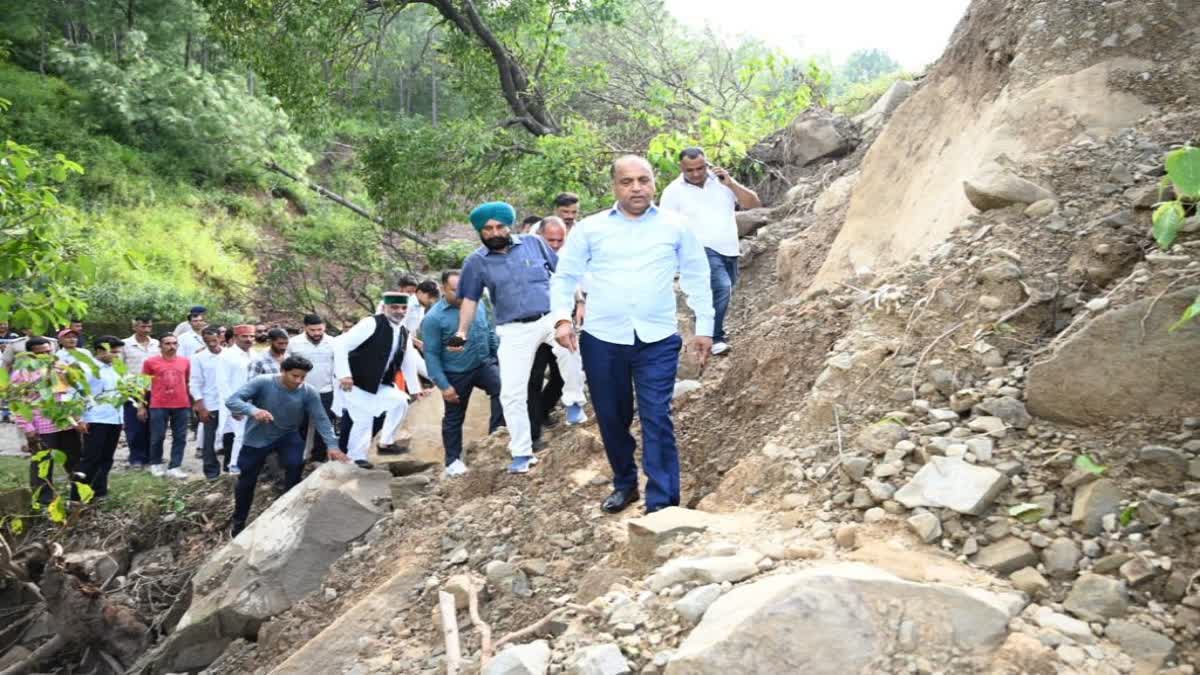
(515, 270)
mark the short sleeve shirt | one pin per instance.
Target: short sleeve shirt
(518, 281)
(168, 381)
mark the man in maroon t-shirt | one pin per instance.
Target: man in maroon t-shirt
(168, 403)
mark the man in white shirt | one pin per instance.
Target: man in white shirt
(204, 386)
(234, 372)
(190, 341)
(101, 422)
(138, 347)
(707, 197)
(314, 345)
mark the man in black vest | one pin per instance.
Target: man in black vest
(367, 359)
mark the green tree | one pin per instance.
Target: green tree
(865, 65)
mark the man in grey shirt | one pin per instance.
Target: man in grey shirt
(275, 406)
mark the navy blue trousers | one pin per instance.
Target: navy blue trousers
(485, 377)
(290, 447)
(614, 374)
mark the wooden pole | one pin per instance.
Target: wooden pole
(450, 630)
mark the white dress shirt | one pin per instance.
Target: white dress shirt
(204, 383)
(234, 371)
(190, 343)
(135, 353)
(708, 211)
(321, 355)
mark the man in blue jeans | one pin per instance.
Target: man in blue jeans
(458, 372)
(707, 196)
(168, 406)
(630, 342)
(275, 405)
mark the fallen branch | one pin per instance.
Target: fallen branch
(925, 352)
(485, 631)
(342, 201)
(39, 655)
(1150, 310)
(450, 631)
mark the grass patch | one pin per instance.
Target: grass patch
(128, 491)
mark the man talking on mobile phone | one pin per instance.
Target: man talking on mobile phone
(707, 196)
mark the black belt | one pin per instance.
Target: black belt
(529, 319)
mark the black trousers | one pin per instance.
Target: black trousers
(319, 452)
(543, 394)
(70, 443)
(99, 446)
(208, 445)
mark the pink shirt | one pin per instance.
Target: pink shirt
(40, 424)
(168, 381)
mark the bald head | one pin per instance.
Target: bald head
(554, 231)
(633, 184)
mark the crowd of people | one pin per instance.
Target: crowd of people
(547, 311)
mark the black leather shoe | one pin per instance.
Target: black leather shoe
(393, 449)
(538, 445)
(618, 500)
(363, 464)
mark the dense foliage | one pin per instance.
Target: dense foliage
(411, 110)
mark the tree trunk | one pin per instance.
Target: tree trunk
(433, 106)
(527, 103)
(187, 51)
(129, 15)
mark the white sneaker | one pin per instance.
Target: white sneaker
(456, 468)
(177, 473)
(157, 470)
(719, 348)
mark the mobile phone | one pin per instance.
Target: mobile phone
(455, 341)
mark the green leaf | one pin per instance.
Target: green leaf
(16, 525)
(44, 469)
(1168, 217)
(60, 457)
(1183, 168)
(58, 510)
(1192, 311)
(1128, 514)
(1027, 512)
(1085, 463)
(85, 491)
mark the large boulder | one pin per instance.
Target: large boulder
(814, 134)
(884, 107)
(996, 187)
(836, 620)
(1113, 370)
(282, 556)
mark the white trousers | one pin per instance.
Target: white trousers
(363, 407)
(519, 343)
(238, 427)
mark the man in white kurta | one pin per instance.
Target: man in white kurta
(366, 360)
(233, 373)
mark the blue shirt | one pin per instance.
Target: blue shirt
(518, 281)
(633, 262)
(102, 381)
(287, 406)
(440, 324)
